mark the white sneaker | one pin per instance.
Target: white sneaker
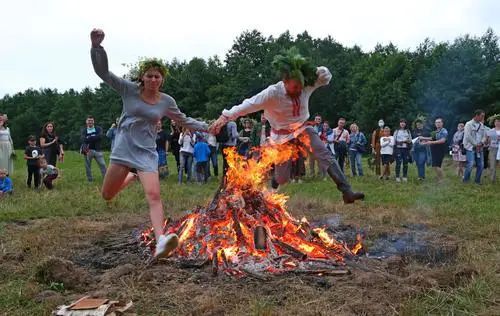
(398, 179)
(405, 179)
(166, 244)
(299, 181)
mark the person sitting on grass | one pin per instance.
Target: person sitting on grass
(31, 154)
(48, 173)
(387, 143)
(135, 141)
(6, 186)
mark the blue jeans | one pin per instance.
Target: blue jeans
(355, 158)
(420, 158)
(402, 157)
(186, 160)
(478, 160)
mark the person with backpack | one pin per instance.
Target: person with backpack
(286, 107)
(340, 138)
(474, 141)
(357, 147)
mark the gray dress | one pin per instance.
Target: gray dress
(135, 139)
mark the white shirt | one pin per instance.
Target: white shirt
(474, 134)
(282, 111)
(338, 135)
(187, 143)
(211, 140)
(387, 145)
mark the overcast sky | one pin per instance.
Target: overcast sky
(45, 44)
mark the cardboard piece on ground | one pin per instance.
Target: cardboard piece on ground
(89, 303)
(110, 308)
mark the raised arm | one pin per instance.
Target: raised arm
(254, 104)
(100, 63)
(174, 113)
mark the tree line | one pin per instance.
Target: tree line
(447, 79)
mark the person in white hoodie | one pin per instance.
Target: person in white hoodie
(286, 106)
(387, 143)
(186, 141)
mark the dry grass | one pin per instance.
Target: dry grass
(73, 220)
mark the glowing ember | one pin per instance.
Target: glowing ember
(225, 232)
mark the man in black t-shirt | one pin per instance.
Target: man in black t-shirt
(31, 154)
(91, 137)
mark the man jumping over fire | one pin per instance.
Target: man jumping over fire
(286, 106)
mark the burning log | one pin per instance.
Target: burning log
(322, 272)
(260, 238)
(290, 249)
(236, 226)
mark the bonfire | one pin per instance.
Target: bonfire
(246, 229)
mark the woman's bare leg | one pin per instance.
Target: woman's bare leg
(114, 180)
(151, 184)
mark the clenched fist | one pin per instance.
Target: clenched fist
(96, 37)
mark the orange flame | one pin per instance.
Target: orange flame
(227, 231)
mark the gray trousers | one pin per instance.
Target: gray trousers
(99, 158)
(325, 160)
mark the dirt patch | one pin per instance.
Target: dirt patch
(102, 258)
(57, 270)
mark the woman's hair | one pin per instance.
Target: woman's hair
(44, 132)
(352, 125)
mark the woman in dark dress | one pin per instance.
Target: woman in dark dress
(51, 146)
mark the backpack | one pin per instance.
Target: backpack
(223, 136)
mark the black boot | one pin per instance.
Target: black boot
(342, 185)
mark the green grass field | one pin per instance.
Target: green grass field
(36, 222)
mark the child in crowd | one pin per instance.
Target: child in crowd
(31, 154)
(48, 173)
(387, 151)
(5, 183)
(201, 155)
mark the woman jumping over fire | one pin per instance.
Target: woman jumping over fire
(135, 147)
(286, 106)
